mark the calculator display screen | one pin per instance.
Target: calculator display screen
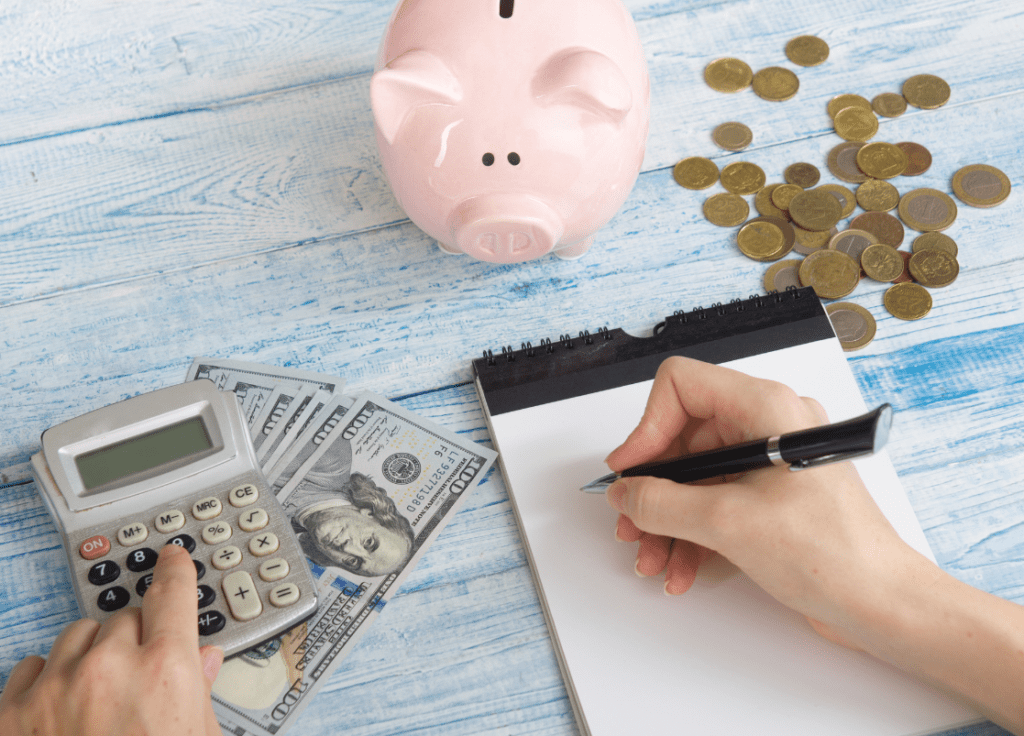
(143, 453)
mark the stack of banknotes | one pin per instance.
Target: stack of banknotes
(368, 486)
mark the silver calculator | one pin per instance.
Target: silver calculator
(175, 466)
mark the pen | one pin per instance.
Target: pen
(808, 448)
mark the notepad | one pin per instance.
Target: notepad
(724, 658)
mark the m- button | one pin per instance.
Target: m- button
(207, 508)
(243, 495)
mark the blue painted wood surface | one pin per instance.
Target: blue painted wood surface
(200, 178)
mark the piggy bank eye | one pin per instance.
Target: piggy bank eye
(488, 159)
(513, 158)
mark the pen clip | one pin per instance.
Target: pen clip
(836, 457)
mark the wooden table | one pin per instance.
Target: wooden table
(191, 177)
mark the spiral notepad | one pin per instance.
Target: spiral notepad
(724, 658)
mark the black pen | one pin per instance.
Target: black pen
(830, 443)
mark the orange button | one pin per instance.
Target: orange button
(94, 547)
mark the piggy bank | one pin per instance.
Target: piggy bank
(509, 129)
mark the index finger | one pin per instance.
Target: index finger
(170, 607)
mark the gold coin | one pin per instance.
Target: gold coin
(907, 301)
(882, 160)
(695, 173)
(855, 124)
(788, 233)
(803, 175)
(762, 241)
(905, 276)
(927, 209)
(780, 276)
(728, 75)
(732, 136)
(842, 162)
(775, 83)
(919, 158)
(854, 325)
(926, 91)
(882, 225)
(808, 241)
(889, 105)
(846, 198)
(934, 268)
(815, 209)
(742, 177)
(726, 210)
(875, 195)
(831, 273)
(807, 50)
(882, 262)
(784, 194)
(853, 243)
(980, 185)
(840, 102)
(936, 241)
(763, 202)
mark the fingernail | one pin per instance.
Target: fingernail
(213, 658)
(616, 496)
(636, 569)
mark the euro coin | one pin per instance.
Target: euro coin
(881, 160)
(831, 273)
(927, 209)
(876, 195)
(919, 158)
(840, 102)
(855, 124)
(763, 202)
(936, 241)
(934, 268)
(728, 75)
(907, 301)
(905, 276)
(808, 241)
(882, 262)
(926, 91)
(882, 225)
(788, 232)
(847, 199)
(762, 241)
(815, 209)
(807, 51)
(784, 194)
(780, 276)
(842, 162)
(980, 185)
(726, 210)
(775, 83)
(889, 104)
(732, 136)
(695, 173)
(802, 174)
(853, 243)
(854, 325)
(742, 177)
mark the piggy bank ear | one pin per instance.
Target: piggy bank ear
(586, 79)
(415, 78)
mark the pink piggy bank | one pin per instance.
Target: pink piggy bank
(509, 129)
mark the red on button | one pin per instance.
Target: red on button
(94, 547)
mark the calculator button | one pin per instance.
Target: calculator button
(207, 508)
(143, 585)
(253, 520)
(104, 572)
(206, 595)
(141, 560)
(132, 534)
(200, 569)
(274, 569)
(94, 547)
(210, 622)
(227, 557)
(169, 521)
(240, 593)
(112, 599)
(219, 531)
(184, 540)
(264, 544)
(243, 495)
(284, 595)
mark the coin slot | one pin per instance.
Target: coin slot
(505, 8)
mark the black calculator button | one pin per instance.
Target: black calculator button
(183, 540)
(206, 595)
(210, 622)
(104, 572)
(112, 599)
(143, 585)
(200, 569)
(141, 560)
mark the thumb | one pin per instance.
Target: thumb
(211, 657)
(662, 507)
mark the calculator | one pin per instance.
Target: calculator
(175, 466)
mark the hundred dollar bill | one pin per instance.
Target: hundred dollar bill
(226, 373)
(309, 438)
(277, 422)
(294, 426)
(366, 503)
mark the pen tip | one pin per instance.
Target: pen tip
(600, 485)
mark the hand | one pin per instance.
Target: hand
(142, 671)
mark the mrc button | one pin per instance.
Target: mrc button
(207, 508)
(94, 547)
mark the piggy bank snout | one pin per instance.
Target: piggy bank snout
(505, 228)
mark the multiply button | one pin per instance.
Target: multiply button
(132, 534)
(216, 533)
(94, 547)
(243, 495)
(207, 508)
(240, 593)
(169, 521)
(264, 544)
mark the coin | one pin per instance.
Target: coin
(847, 199)
(728, 75)
(784, 194)
(695, 173)
(882, 160)
(732, 136)
(927, 209)
(831, 273)
(882, 262)
(763, 240)
(855, 124)
(775, 83)
(763, 202)
(919, 158)
(980, 185)
(782, 275)
(742, 177)
(788, 233)
(926, 91)
(937, 241)
(803, 175)
(815, 209)
(807, 50)
(876, 195)
(854, 325)
(853, 243)
(905, 276)
(840, 102)
(726, 210)
(907, 301)
(889, 104)
(934, 268)
(808, 241)
(882, 225)
(842, 162)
